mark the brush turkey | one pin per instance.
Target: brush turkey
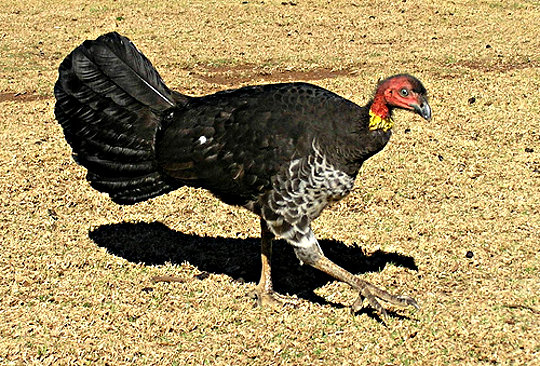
(283, 151)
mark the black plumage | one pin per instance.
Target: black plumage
(283, 151)
(235, 142)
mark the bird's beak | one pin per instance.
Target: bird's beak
(423, 108)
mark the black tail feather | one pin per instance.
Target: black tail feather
(128, 69)
(109, 103)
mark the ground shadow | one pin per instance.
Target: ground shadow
(154, 244)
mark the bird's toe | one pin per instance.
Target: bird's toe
(407, 300)
(358, 304)
(272, 299)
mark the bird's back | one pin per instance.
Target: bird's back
(233, 143)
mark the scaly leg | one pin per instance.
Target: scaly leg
(366, 290)
(266, 296)
(308, 251)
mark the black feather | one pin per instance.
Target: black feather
(109, 103)
(139, 139)
(123, 64)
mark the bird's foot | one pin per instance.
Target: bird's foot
(371, 293)
(272, 299)
(366, 290)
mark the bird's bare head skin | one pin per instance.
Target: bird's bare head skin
(400, 91)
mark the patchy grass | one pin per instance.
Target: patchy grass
(76, 269)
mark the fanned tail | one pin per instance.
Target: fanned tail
(109, 101)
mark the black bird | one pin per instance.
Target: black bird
(283, 151)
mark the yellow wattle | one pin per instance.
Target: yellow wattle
(376, 122)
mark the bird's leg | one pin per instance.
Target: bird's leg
(366, 290)
(265, 292)
(309, 252)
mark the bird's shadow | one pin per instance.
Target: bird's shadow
(155, 244)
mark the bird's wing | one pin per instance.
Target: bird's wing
(232, 143)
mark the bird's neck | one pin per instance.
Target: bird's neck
(380, 116)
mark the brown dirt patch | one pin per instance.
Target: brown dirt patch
(242, 74)
(22, 97)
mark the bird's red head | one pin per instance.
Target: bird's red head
(400, 91)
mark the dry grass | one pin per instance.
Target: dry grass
(76, 270)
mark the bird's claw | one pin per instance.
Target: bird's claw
(407, 300)
(358, 304)
(272, 299)
(365, 294)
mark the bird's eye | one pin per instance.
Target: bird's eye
(404, 92)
